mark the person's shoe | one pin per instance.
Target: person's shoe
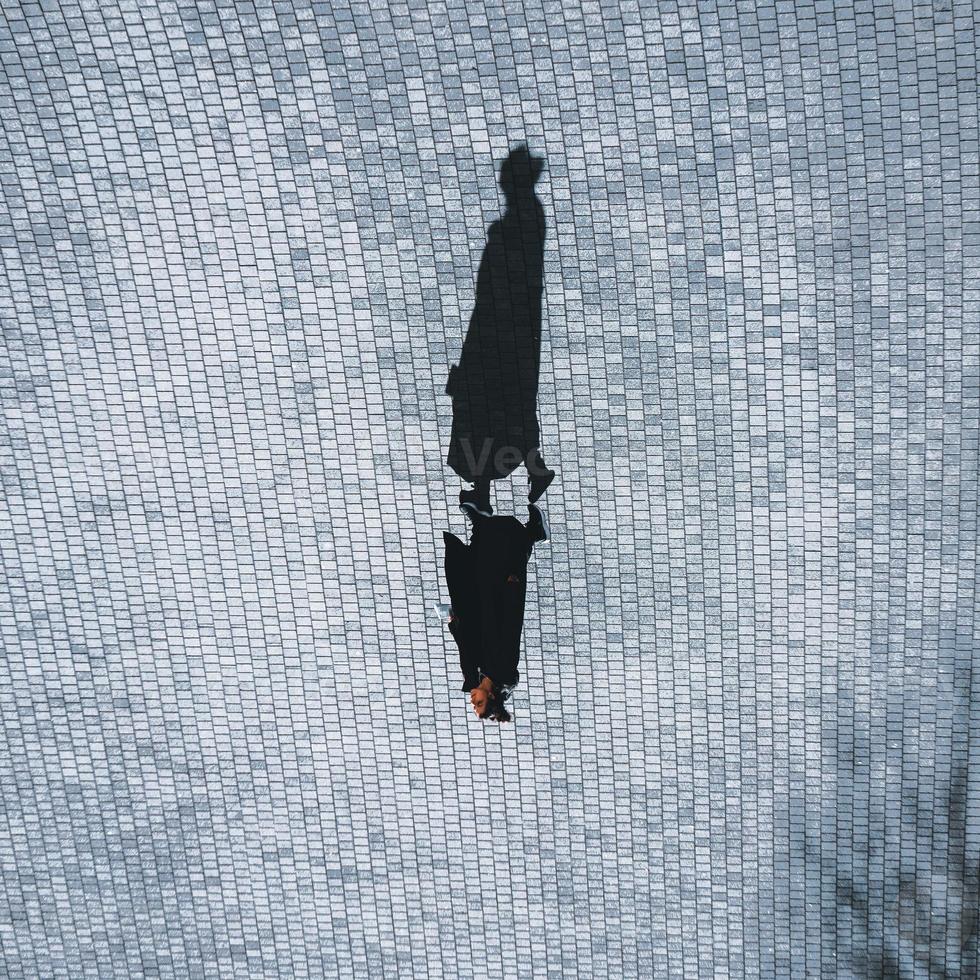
(538, 524)
(473, 499)
(538, 485)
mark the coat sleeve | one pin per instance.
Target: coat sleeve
(465, 627)
(467, 659)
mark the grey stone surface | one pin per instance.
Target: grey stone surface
(238, 244)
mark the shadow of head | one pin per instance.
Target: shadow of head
(520, 171)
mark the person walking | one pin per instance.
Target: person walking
(487, 582)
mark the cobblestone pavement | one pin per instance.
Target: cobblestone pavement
(238, 244)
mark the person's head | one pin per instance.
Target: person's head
(488, 703)
(520, 172)
(497, 712)
(480, 699)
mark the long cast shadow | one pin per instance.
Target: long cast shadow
(494, 387)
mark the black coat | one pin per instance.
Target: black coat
(487, 582)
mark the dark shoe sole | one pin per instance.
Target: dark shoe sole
(543, 525)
